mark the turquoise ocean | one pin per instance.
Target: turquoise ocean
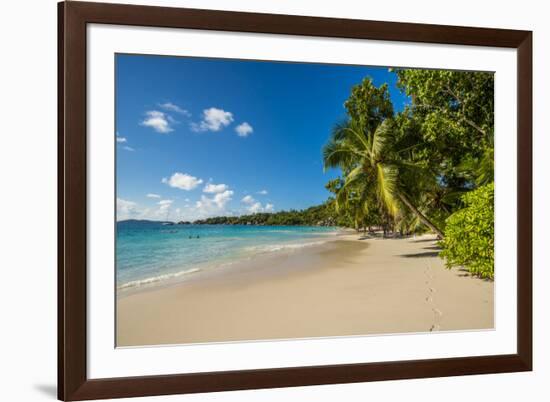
(150, 253)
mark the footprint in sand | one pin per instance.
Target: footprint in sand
(437, 317)
(429, 299)
(430, 294)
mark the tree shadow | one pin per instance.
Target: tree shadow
(47, 389)
(464, 273)
(432, 248)
(421, 255)
(423, 240)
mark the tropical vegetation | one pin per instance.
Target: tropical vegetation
(320, 215)
(428, 167)
(469, 237)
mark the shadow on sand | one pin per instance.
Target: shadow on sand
(421, 255)
(380, 236)
(432, 248)
(423, 240)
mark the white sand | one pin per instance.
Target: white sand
(345, 287)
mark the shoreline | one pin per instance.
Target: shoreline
(221, 266)
(343, 287)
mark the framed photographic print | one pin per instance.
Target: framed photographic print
(252, 200)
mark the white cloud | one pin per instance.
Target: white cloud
(183, 181)
(126, 209)
(132, 210)
(217, 203)
(223, 198)
(262, 192)
(175, 108)
(164, 208)
(213, 119)
(165, 202)
(244, 129)
(123, 140)
(214, 204)
(124, 205)
(215, 188)
(255, 207)
(158, 121)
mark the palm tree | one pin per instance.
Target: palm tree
(371, 167)
(481, 170)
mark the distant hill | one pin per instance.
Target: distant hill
(143, 222)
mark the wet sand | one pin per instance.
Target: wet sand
(341, 288)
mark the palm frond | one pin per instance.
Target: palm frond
(479, 170)
(387, 176)
(354, 178)
(485, 170)
(381, 139)
(339, 154)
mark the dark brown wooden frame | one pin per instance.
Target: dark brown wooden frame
(73, 383)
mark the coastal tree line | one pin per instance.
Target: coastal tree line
(428, 167)
(319, 215)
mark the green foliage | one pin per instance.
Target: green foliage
(454, 115)
(479, 170)
(321, 215)
(376, 154)
(362, 149)
(410, 169)
(369, 105)
(469, 234)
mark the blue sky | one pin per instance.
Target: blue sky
(201, 137)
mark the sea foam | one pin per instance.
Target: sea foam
(155, 279)
(281, 247)
(148, 254)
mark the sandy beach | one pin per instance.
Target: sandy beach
(349, 286)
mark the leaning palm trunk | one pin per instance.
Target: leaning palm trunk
(420, 215)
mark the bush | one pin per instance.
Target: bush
(469, 234)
